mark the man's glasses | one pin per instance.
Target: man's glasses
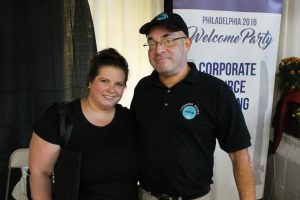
(168, 42)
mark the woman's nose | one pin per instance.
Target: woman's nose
(111, 88)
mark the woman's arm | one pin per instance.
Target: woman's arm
(42, 158)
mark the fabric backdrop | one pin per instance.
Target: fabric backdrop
(45, 47)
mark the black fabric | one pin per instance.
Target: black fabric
(66, 123)
(67, 175)
(39, 64)
(109, 154)
(178, 128)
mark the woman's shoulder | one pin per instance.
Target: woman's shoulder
(57, 108)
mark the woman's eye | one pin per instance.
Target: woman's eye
(104, 81)
(120, 84)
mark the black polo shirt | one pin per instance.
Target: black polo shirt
(178, 128)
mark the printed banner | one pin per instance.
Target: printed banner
(237, 41)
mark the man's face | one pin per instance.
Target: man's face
(168, 60)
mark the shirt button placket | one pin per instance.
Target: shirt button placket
(167, 98)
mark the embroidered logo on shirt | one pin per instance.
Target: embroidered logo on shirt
(189, 111)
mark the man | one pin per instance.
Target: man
(180, 112)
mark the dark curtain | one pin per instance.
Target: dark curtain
(45, 48)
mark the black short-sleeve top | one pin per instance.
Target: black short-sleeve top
(109, 166)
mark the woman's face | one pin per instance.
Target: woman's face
(108, 86)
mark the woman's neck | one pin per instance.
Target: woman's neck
(95, 114)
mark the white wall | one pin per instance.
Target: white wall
(117, 24)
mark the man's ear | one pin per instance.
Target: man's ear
(188, 43)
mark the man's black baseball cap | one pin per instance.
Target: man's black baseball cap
(170, 20)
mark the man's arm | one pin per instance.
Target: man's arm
(243, 174)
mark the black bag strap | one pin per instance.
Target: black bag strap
(65, 124)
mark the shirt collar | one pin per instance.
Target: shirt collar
(193, 75)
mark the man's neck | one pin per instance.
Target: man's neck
(171, 80)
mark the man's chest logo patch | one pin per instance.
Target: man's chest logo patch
(189, 111)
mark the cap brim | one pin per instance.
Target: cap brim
(148, 26)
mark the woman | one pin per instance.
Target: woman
(103, 132)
